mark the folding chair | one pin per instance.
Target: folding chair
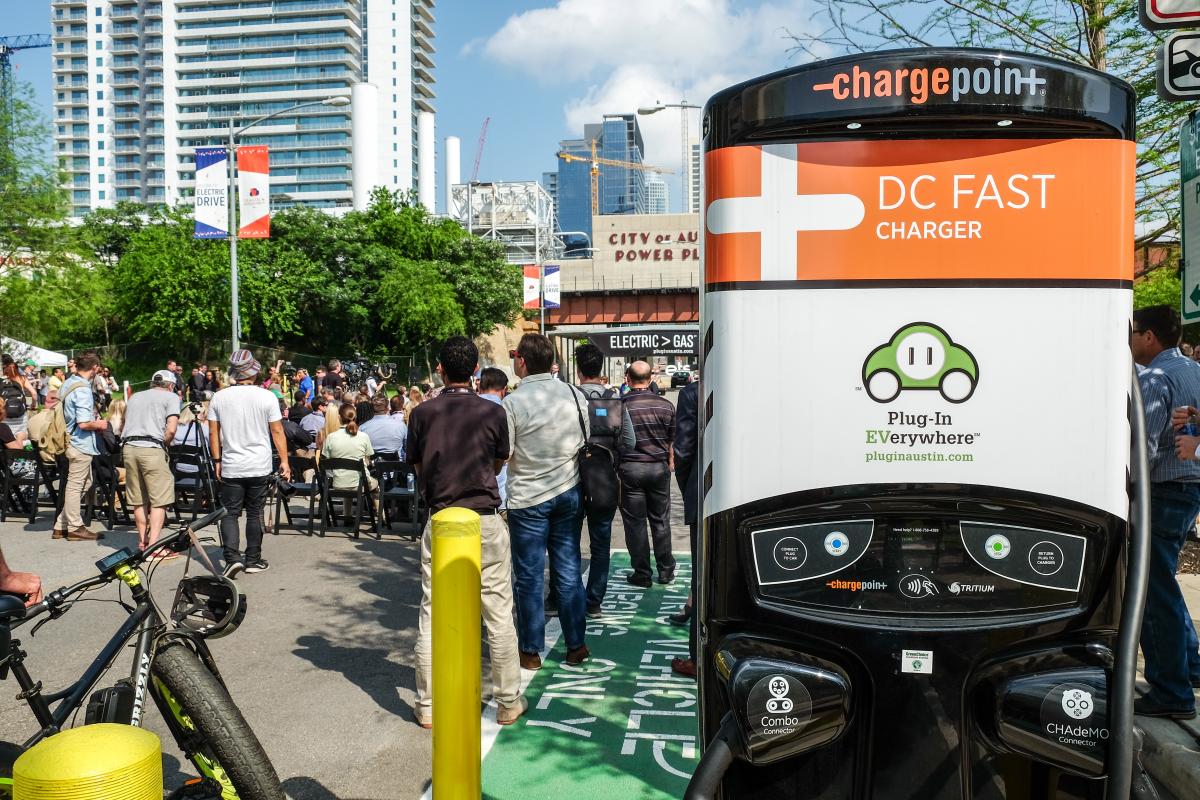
(48, 471)
(106, 492)
(194, 483)
(360, 495)
(18, 480)
(394, 478)
(310, 489)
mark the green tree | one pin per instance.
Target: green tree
(1158, 287)
(57, 306)
(33, 204)
(1102, 34)
(105, 233)
(171, 288)
(416, 305)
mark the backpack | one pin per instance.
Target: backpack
(604, 417)
(53, 441)
(597, 459)
(14, 399)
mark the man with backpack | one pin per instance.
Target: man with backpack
(72, 433)
(611, 429)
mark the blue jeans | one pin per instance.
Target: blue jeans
(554, 525)
(1168, 636)
(600, 537)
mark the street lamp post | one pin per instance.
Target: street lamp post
(683, 106)
(338, 101)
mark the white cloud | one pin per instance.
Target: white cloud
(629, 53)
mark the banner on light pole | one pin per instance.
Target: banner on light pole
(212, 190)
(532, 289)
(552, 287)
(254, 192)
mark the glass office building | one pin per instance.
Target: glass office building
(620, 190)
(139, 84)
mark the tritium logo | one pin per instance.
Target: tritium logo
(918, 84)
(971, 588)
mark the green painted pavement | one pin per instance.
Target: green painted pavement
(620, 725)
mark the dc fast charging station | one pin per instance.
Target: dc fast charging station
(923, 547)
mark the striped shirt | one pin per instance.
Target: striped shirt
(653, 419)
(1169, 381)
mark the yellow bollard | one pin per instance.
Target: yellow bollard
(457, 693)
(94, 762)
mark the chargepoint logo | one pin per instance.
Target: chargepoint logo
(918, 84)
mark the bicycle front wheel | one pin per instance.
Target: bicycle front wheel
(210, 728)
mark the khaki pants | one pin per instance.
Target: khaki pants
(79, 478)
(497, 611)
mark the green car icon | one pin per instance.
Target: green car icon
(920, 356)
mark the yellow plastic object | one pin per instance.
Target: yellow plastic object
(456, 657)
(94, 762)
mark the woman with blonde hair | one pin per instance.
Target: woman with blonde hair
(332, 423)
(348, 442)
(116, 417)
(415, 397)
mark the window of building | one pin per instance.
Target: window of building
(100, 145)
(97, 11)
(99, 61)
(100, 161)
(99, 79)
(100, 111)
(100, 178)
(99, 26)
(100, 128)
(99, 94)
(102, 193)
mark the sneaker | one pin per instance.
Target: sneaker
(680, 620)
(578, 655)
(531, 661)
(1144, 706)
(666, 576)
(232, 568)
(633, 579)
(507, 715)
(594, 612)
(257, 565)
(424, 721)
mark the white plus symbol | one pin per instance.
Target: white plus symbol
(779, 213)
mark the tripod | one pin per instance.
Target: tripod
(194, 452)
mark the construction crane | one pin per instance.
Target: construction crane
(8, 46)
(596, 163)
(479, 148)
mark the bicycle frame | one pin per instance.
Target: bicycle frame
(144, 624)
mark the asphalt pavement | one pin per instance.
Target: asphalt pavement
(322, 667)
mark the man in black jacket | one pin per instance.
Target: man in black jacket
(686, 449)
(646, 478)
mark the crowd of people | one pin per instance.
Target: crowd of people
(509, 453)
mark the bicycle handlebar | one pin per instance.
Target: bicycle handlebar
(61, 595)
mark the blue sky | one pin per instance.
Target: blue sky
(542, 69)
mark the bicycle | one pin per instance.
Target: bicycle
(171, 663)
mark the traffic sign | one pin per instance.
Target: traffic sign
(1179, 67)
(1189, 167)
(1160, 14)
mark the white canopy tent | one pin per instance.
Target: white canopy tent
(22, 352)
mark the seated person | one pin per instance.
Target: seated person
(348, 442)
(192, 431)
(387, 432)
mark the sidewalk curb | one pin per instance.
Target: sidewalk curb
(1171, 754)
